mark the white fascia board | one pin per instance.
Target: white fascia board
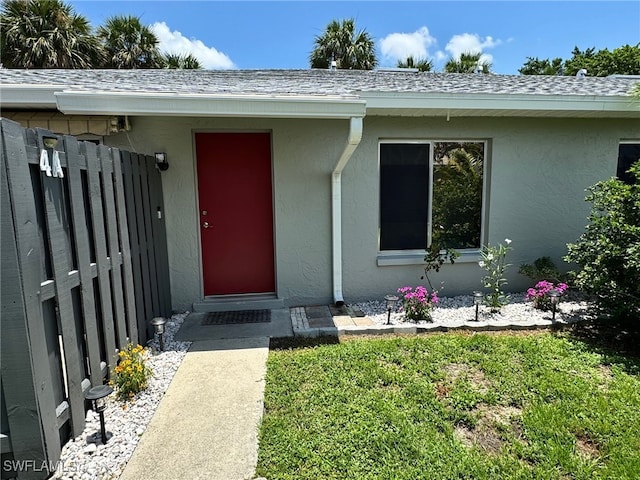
(505, 102)
(29, 96)
(206, 105)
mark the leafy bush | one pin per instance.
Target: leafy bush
(131, 375)
(609, 249)
(540, 294)
(542, 268)
(417, 303)
(494, 262)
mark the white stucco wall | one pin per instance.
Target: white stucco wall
(538, 172)
(304, 153)
(539, 169)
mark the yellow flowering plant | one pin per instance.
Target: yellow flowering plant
(131, 375)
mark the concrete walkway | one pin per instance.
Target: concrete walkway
(207, 423)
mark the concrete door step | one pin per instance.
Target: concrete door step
(232, 303)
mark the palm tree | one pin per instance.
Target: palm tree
(129, 44)
(422, 64)
(46, 34)
(457, 194)
(340, 42)
(467, 63)
(181, 61)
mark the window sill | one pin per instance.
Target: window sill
(405, 257)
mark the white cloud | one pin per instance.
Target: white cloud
(399, 46)
(175, 42)
(471, 43)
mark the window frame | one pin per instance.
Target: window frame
(416, 256)
(624, 142)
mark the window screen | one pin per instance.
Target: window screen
(404, 195)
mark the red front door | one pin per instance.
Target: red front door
(236, 213)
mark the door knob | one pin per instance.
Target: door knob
(205, 225)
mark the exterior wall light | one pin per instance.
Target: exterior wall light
(554, 296)
(158, 327)
(97, 397)
(162, 162)
(49, 141)
(391, 301)
(477, 301)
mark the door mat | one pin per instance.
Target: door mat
(237, 317)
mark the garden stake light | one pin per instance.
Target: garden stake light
(391, 304)
(97, 396)
(554, 295)
(158, 326)
(477, 301)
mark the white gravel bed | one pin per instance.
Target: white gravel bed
(454, 310)
(82, 459)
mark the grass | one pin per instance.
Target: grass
(543, 405)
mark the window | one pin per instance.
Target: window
(431, 193)
(628, 154)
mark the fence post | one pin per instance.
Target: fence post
(157, 216)
(130, 301)
(26, 377)
(58, 228)
(102, 263)
(147, 165)
(130, 206)
(106, 163)
(80, 227)
(143, 242)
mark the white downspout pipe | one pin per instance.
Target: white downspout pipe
(355, 135)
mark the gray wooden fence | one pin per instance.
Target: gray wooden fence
(83, 270)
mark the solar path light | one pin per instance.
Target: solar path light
(477, 301)
(158, 326)
(391, 305)
(554, 296)
(97, 395)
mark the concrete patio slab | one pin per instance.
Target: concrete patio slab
(363, 321)
(279, 326)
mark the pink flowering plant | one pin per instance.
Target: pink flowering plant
(417, 302)
(540, 294)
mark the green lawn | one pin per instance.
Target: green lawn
(451, 406)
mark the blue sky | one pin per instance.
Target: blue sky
(270, 34)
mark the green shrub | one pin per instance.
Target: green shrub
(543, 268)
(608, 252)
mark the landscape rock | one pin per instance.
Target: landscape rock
(86, 457)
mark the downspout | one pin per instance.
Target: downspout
(355, 135)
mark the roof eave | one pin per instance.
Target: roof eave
(501, 104)
(91, 102)
(207, 105)
(29, 96)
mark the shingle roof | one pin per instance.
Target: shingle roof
(315, 82)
